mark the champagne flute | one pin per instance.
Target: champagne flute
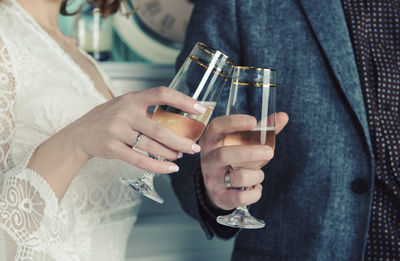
(202, 76)
(256, 86)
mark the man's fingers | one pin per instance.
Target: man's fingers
(230, 198)
(222, 125)
(240, 177)
(234, 155)
(281, 120)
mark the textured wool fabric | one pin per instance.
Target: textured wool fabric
(374, 27)
(318, 188)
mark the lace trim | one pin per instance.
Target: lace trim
(29, 209)
(26, 199)
(7, 108)
(31, 219)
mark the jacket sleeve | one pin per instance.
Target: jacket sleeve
(213, 23)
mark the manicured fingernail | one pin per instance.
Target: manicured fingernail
(196, 148)
(180, 154)
(173, 168)
(199, 108)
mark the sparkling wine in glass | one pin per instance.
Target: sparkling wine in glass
(257, 87)
(202, 76)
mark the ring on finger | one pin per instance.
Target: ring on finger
(227, 178)
(137, 140)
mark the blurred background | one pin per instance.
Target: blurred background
(137, 48)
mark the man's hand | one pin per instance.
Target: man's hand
(217, 159)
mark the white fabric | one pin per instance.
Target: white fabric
(41, 91)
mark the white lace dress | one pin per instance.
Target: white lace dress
(41, 91)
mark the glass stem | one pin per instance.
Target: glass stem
(242, 211)
(148, 177)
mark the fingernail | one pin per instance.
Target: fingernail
(196, 148)
(173, 168)
(180, 154)
(199, 108)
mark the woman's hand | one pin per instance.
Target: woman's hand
(109, 130)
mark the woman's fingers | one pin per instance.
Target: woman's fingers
(149, 145)
(166, 136)
(167, 96)
(142, 161)
(153, 147)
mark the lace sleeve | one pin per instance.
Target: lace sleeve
(28, 206)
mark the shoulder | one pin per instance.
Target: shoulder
(6, 8)
(13, 29)
(10, 16)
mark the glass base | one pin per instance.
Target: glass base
(241, 218)
(144, 186)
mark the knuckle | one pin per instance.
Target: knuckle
(208, 181)
(213, 126)
(126, 97)
(215, 195)
(241, 199)
(110, 147)
(221, 156)
(161, 92)
(257, 194)
(146, 144)
(272, 154)
(242, 179)
(254, 154)
(112, 127)
(261, 176)
(158, 130)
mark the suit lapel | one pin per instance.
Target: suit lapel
(328, 22)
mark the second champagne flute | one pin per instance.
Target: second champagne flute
(257, 86)
(202, 76)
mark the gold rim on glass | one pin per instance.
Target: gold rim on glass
(205, 64)
(254, 68)
(255, 84)
(205, 48)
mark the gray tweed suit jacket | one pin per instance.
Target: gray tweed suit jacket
(317, 192)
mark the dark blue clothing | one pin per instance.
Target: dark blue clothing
(374, 28)
(318, 189)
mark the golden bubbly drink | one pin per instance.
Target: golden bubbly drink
(185, 124)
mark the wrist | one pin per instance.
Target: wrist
(204, 199)
(73, 142)
(57, 160)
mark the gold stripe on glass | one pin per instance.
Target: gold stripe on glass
(205, 48)
(254, 68)
(205, 64)
(255, 84)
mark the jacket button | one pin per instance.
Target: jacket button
(359, 186)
